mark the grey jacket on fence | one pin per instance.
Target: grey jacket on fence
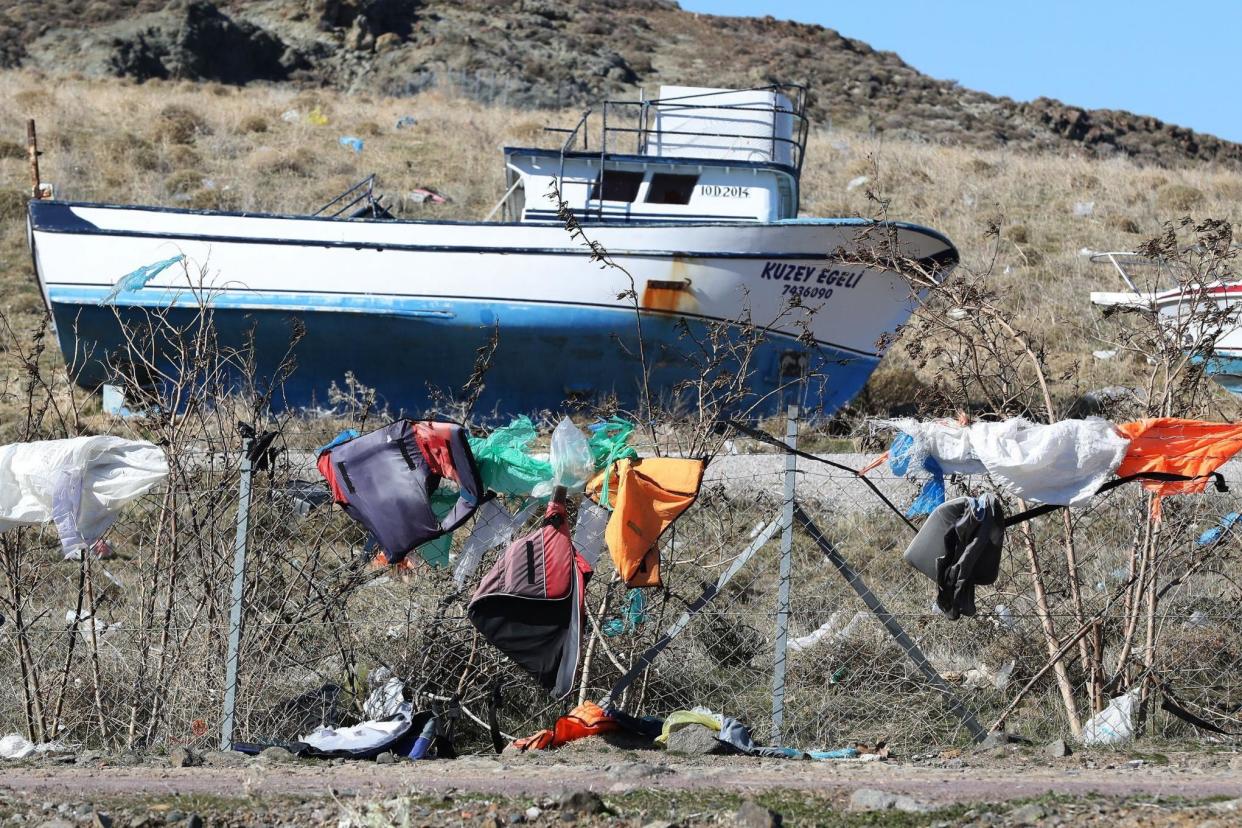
(958, 547)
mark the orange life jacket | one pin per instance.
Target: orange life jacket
(647, 496)
(1192, 448)
(587, 719)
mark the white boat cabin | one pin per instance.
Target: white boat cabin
(691, 155)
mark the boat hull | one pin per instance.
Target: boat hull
(1199, 316)
(405, 306)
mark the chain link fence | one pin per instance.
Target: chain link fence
(129, 650)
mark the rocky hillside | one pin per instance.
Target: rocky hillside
(545, 53)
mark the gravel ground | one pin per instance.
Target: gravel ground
(591, 783)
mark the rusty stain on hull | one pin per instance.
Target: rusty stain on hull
(672, 294)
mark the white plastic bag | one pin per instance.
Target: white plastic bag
(572, 464)
(80, 483)
(588, 536)
(493, 527)
(1114, 725)
(387, 694)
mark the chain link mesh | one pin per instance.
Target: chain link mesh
(129, 649)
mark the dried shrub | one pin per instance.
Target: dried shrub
(12, 205)
(11, 149)
(214, 199)
(252, 124)
(271, 161)
(1178, 197)
(179, 125)
(183, 181)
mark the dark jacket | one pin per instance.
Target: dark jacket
(959, 547)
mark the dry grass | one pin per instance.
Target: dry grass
(211, 146)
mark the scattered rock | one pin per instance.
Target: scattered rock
(193, 821)
(1235, 763)
(533, 813)
(754, 815)
(693, 740)
(995, 739)
(276, 754)
(386, 758)
(183, 757)
(1057, 749)
(1028, 814)
(660, 823)
(582, 802)
(56, 823)
(870, 799)
(634, 771)
(387, 42)
(1229, 806)
(224, 758)
(100, 820)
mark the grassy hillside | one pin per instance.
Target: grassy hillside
(214, 146)
(550, 53)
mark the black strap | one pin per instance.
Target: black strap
(405, 453)
(764, 437)
(1159, 477)
(1170, 704)
(493, 717)
(349, 484)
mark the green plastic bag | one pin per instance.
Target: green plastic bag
(504, 460)
(436, 552)
(610, 442)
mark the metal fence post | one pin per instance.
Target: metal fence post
(782, 597)
(235, 605)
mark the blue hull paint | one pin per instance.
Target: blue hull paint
(546, 355)
(1227, 372)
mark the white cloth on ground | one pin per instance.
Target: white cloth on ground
(80, 483)
(1062, 463)
(360, 736)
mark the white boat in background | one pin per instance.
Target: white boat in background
(695, 194)
(1204, 318)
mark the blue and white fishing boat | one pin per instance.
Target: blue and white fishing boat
(1204, 319)
(695, 194)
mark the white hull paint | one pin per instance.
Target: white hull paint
(468, 276)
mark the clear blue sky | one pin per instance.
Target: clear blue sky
(1178, 61)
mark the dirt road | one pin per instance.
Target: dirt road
(638, 788)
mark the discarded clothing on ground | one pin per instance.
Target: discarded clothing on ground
(959, 547)
(532, 602)
(1061, 463)
(587, 719)
(731, 733)
(647, 496)
(385, 480)
(79, 483)
(1191, 448)
(399, 734)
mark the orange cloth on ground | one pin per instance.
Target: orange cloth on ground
(647, 496)
(587, 719)
(1192, 448)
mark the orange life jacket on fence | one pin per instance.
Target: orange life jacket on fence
(1188, 447)
(647, 496)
